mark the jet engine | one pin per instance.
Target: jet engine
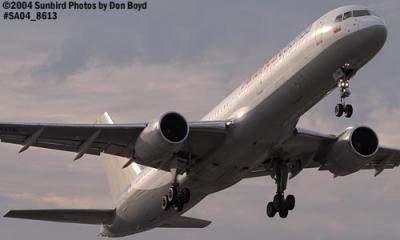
(161, 138)
(354, 148)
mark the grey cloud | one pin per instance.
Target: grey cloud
(187, 32)
(54, 201)
(71, 59)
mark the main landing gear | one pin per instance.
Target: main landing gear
(176, 197)
(280, 204)
(343, 84)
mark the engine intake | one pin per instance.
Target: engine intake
(173, 127)
(161, 139)
(364, 141)
(354, 148)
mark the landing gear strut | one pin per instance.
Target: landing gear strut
(343, 85)
(280, 204)
(176, 197)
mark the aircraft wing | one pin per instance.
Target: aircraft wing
(82, 216)
(114, 139)
(308, 149)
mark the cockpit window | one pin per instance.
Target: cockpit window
(359, 13)
(338, 18)
(347, 15)
(355, 13)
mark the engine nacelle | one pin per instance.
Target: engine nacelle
(161, 139)
(354, 148)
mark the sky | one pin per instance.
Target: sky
(187, 56)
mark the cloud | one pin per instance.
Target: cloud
(51, 200)
(386, 123)
(167, 34)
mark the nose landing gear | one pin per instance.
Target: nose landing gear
(343, 85)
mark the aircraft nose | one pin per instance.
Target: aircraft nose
(376, 31)
(368, 40)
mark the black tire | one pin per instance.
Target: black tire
(271, 211)
(186, 195)
(165, 204)
(172, 194)
(290, 202)
(178, 205)
(339, 110)
(283, 212)
(348, 110)
(278, 201)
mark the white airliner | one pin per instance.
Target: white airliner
(162, 168)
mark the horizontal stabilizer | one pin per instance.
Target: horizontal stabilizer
(83, 216)
(185, 222)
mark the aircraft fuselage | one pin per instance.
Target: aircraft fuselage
(264, 111)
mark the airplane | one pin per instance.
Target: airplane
(160, 169)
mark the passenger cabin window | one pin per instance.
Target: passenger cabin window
(338, 18)
(347, 15)
(360, 13)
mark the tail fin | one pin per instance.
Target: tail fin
(119, 178)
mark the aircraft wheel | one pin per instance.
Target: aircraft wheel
(165, 204)
(172, 194)
(178, 205)
(339, 110)
(278, 201)
(271, 210)
(283, 212)
(348, 109)
(290, 202)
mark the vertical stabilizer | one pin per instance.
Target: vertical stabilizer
(119, 179)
